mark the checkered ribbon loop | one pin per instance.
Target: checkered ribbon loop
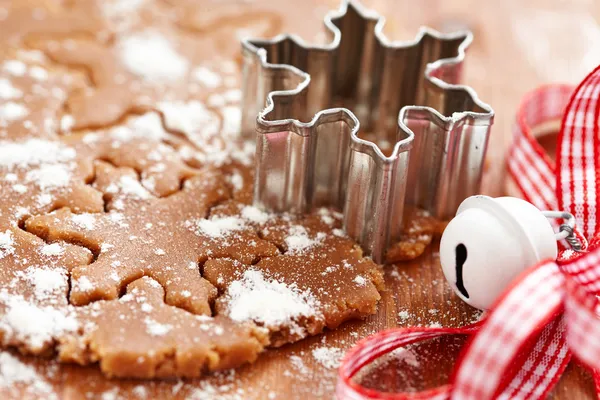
(520, 350)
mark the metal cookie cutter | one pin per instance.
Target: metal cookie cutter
(404, 93)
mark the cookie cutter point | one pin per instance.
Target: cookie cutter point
(312, 150)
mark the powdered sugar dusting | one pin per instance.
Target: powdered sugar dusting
(15, 67)
(82, 284)
(46, 281)
(11, 111)
(8, 91)
(129, 186)
(232, 117)
(32, 324)
(13, 372)
(86, 221)
(207, 77)
(254, 214)
(147, 126)
(298, 240)
(191, 118)
(220, 227)
(269, 302)
(360, 280)
(152, 56)
(114, 8)
(7, 243)
(329, 357)
(155, 328)
(237, 181)
(34, 152)
(50, 176)
(54, 249)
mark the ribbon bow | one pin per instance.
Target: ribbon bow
(550, 312)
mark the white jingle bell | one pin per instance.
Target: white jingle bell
(489, 242)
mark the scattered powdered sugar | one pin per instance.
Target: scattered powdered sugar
(207, 77)
(360, 280)
(86, 221)
(8, 91)
(193, 119)
(38, 73)
(11, 111)
(17, 187)
(298, 364)
(54, 249)
(329, 357)
(33, 324)
(50, 176)
(186, 116)
(339, 232)
(254, 214)
(226, 388)
(34, 152)
(46, 281)
(112, 394)
(219, 227)
(129, 186)
(119, 219)
(328, 216)
(104, 247)
(204, 128)
(298, 240)
(147, 126)
(404, 315)
(7, 243)
(269, 302)
(152, 56)
(401, 360)
(237, 181)
(155, 328)
(116, 8)
(406, 355)
(13, 372)
(66, 123)
(82, 284)
(232, 120)
(44, 199)
(140, 391)
(229, 99)
(15, 67)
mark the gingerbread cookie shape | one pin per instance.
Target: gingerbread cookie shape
(34, 310)
(40, 175)
(168, 341)
(144, 236)
(321, 280)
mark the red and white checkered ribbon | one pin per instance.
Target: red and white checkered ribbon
(551, 311)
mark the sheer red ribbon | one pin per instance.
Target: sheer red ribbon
(549, 313)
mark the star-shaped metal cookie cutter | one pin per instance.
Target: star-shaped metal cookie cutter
(404, 93)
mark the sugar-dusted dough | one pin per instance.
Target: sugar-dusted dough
(144, 236)
(320, 269)
(166, 342)
(129, 247)
(34, 283)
